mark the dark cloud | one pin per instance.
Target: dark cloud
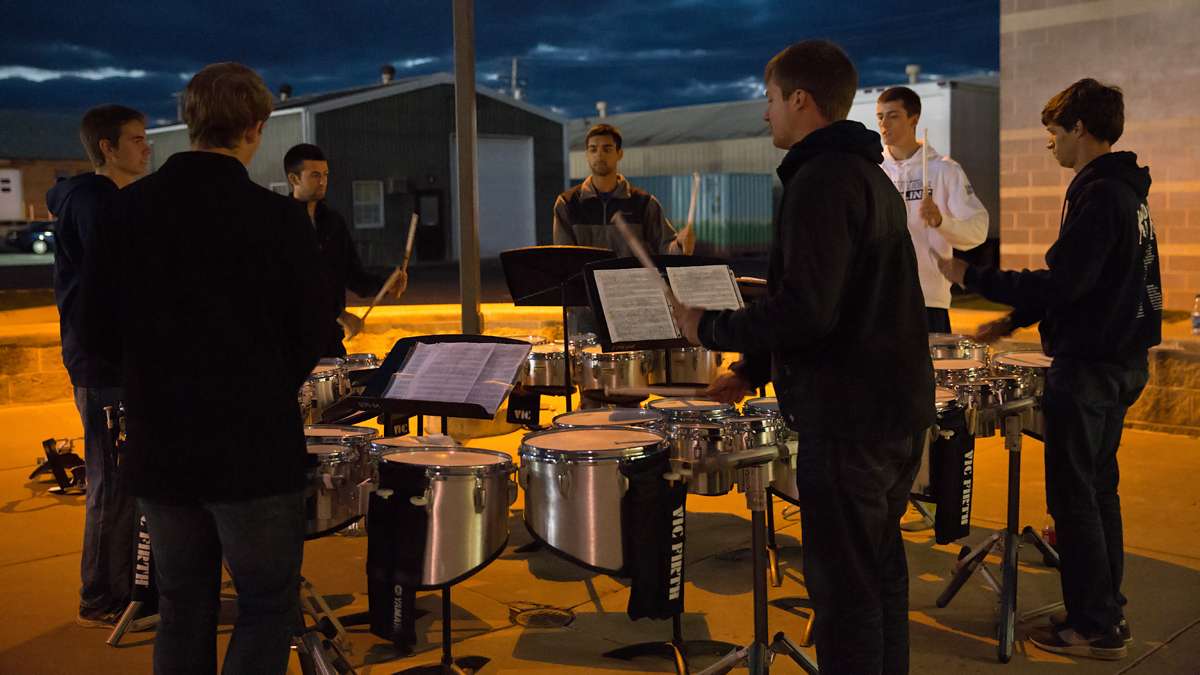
(635, 55)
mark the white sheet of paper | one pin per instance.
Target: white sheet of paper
(635, 308)
(497, 376)
(705, 286)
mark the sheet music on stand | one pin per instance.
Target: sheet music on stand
(637, 310)
(479, 373)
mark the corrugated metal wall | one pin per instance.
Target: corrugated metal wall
(280, 133)
(733, 210)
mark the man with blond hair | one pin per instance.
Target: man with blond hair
(215, 330)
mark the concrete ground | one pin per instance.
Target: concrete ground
(39, 577)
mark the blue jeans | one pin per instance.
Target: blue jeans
(1084, 405)
(106, 563)
(262, 541)
(852, 495)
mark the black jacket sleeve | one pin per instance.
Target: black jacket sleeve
(816, 244)
(302, 290)
(358, 279)
(1074, 263)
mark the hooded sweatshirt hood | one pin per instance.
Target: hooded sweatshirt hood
(57, 196)
(843, 136)
(1118, 166)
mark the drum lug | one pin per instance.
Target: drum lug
(384, 493)
(523, 477)
(563, 479)
(512, 492)
(423, 500)
(480, 495)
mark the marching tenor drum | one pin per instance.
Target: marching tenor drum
(950, 372)
(610, 417)
(445, 510)
(694, 427)
(689, 365)
(598, 370)
(327, 384)
(358, 438)
(546, 366)
(331, 498)
(1029, 368)
(952, 346)
(575, 481)
(783, 473)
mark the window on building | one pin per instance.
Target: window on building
(281, 189)
(368, 204)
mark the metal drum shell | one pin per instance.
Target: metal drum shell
(329, 383)
(361, 361)
(783, 469)
(1032, 379)
(949, 372)
(598, 370)
(986, 392)
(467, 509)
(545, 366)
(692, 442)
(331, 496)
(689, 365)
(573, 498)
(953, 346)
(610, 417)
(677, 410)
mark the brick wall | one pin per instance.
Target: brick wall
(31, 368)
(1149, 48)
(38, 176)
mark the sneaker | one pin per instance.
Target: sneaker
(1058, 620)
(1109, 647)
(93, 618)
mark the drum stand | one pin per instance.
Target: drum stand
(460, 666)
(754, 479)
(1006, 542)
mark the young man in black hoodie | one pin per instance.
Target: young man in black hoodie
(842, 335)
(1100, 306)
(114, 138)
(216, 333)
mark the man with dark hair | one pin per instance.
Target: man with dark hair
(1100, 305)
(583, 214)
(841, 334)
(114, 138)
(945, 217)
(216, 279)
(307, 173)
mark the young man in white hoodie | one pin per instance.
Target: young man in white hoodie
(946, 216)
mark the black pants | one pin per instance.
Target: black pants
(938, 318)
(1084, 405)
(852, 495)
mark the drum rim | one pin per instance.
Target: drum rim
(369, 435)
(620, 357)
(331, 374)
(638, 423)
(942, 339)
(505, 466)
(531, 453)
(723, 408)
(774, 421)
(344, 453)
(999, 355)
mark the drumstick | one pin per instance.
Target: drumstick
(395, 275)
(925, 162)
(639, 252)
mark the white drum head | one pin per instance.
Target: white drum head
(764, 403)
(695, 404)
(1025, 359)
(957, 364)
(319, 431)
(606, 418)
(593, 440)
(447, 457)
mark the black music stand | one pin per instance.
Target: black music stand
(372, 402)
(550, 276)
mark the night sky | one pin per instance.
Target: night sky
(67, 56)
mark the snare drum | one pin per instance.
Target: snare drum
(598, 371)
(331, 499)
(678, 410)
(783, 473)
(445, 509)
(1029, 367)
(689, 365)
(610, 417)
(951, 346)
(546, 366)
(950, 372)
(575, 481)
(694, 427)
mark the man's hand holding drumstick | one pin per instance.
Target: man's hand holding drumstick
(394, 287)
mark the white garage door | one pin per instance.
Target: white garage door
(12, 207)
(506, 203)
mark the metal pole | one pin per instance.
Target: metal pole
(468, 182)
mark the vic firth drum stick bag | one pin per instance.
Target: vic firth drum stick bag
(653, 513)
(952, 478)
(395, 553)
(144, 589)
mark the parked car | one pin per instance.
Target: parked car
(36, 237)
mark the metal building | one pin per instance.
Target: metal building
(391, 153)
(963, 119)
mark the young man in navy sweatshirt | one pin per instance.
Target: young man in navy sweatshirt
(1100, 305)
(114, 138)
